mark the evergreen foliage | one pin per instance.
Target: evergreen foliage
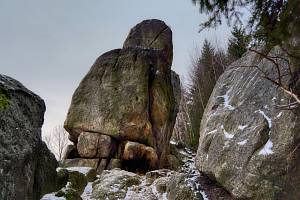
(205, 72)
(270, 21)
(237, 44)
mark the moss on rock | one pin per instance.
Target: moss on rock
(4, 99)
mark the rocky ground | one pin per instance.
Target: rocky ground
(185, 183)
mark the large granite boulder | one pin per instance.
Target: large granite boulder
(128, 95)
(246, 144)
(27, 167)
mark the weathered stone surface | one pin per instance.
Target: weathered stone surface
(246, 144)
(151, 34)
(95, 145)
(114, 184)
(156, 185)
(128, 93)
(81, 162)
(27, 167)
(178, 189)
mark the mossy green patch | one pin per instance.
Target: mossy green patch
(4, 99)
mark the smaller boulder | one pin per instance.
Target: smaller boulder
(135, 151)
(94, 145)
(113, 184)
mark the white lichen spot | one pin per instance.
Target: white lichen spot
(226, 134)
(242, 127)
(269, 120)
(267, 149)
(243, 142)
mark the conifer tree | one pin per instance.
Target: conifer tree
(237, 44)
(205, 72)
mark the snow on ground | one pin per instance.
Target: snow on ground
(226, 101)
(87, 193)
(83, 170)
(266, 117)
(267, 149)
(192, 174)
(243, 142)
(51, 196)
(226, 134)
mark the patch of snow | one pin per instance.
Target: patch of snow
(266, 117)
(130, 194)
(206, 156)
(279, 115)
(242, 127)
(243, 142)
(227, 135)
(83, 170)
(274, 98)
(87, 193)
(226, 101)
(203, 195)
(266, 106)
(51, 196)
(211, 132)
(267, 149)
(173, 142)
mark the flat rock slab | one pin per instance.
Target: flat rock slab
(81, 162)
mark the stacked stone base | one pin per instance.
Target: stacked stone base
(102, 152)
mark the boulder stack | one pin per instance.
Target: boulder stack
(125, 107)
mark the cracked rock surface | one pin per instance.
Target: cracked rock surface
(246, 144)
(131, 96)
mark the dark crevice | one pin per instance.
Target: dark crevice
(140, 166)
(150, 99)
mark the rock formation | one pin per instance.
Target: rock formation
(27, 168)
(125, 107)
(246, 144)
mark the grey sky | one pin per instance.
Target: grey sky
(49, 45)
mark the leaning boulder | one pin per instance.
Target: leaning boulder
(27, 167)
(128, 95)
(246, 143)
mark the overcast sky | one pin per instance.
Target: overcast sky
(49, 45)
